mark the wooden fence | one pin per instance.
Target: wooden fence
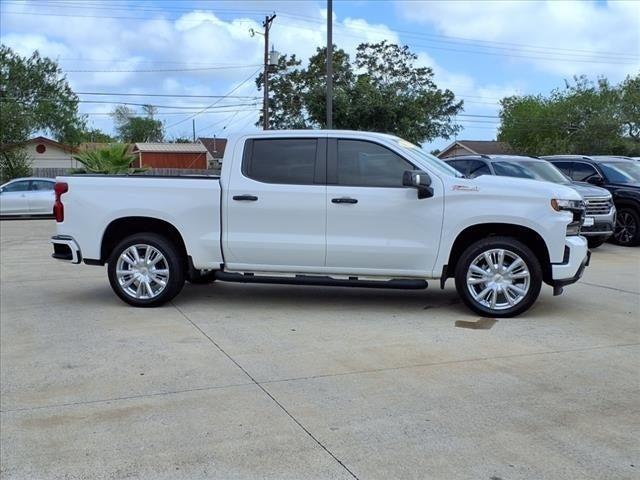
(47, 172)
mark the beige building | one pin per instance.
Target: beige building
(47, 153)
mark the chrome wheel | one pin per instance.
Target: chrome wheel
(498, 279)
(142, 271)
(626, 228)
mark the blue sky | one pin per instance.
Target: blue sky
(482, 50)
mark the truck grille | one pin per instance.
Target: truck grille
(598, 206)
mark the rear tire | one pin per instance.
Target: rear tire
(627, 231)
(146, 270)
(498, 277)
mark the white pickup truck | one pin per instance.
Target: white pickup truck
(325, 208)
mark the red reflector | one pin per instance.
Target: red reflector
(58, 207)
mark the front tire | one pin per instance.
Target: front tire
(595, 242)
(627, 232)
(146, 270)
(498, 277)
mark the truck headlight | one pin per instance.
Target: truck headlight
(576, 208)
(558, 204)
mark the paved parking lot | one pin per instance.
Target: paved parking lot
(275, 382)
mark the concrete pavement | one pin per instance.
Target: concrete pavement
(259, 381)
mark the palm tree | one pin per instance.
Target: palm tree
(115, 159)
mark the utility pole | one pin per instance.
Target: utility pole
(193, 124)
(265, 76)
(329, 64)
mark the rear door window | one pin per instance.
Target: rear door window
(582, 172)
(286, 161)
(41, 185)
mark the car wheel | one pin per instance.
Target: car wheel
(627, 232)
(198, 278)
(498, 277)
(595, 242)
(146, 270)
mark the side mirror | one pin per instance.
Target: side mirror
(595, 180)
(419, 180)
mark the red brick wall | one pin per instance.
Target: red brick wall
(173, 160)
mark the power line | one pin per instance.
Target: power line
(165, 70)
(536, 49)
(448, 38)
(217, 101)
(170, 95)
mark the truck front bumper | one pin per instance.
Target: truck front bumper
(576, 259)
(65, 248)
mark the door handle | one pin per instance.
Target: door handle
(248, 198)
(344, 200)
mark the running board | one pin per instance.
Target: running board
(396, 283)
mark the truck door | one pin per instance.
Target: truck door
(276, 206)
(374, 224)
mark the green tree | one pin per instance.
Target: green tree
(585, 117)
(114, 159)
(382, 90)
(132, 128)
(35, 96)
(95, 135)
(14, 163)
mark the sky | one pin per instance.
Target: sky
(198, 59)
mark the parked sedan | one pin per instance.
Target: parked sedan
(601, 212)
(27, 196)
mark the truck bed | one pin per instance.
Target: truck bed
(190, 203)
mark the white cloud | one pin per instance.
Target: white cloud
(569, 32)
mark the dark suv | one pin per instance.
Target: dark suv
(618, 175)
(598, 201)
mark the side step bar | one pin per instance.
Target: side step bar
(396, 283)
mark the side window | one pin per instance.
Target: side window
(477, 168)
(366, 164)
(583, 171)
(564, 167)
(17, 187)
(289, 161)
(41, 185)
(460, 165)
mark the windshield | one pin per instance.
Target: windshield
(429, 159)
(621, 172)
(531, 169)
(546, 171)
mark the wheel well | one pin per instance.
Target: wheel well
(620, 204)
(121, 228)
(529, 237)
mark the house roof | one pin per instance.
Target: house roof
(486, 147)
(45, 140)
(215, 146)
(170, 147)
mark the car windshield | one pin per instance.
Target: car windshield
(546, 171)
(621, 172)
(431, 160)
(512, 169)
